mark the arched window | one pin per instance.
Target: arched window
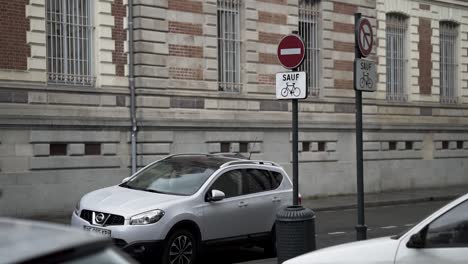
(448, 62)
(397, 59)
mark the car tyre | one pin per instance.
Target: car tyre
(270, 246)
(180, 248)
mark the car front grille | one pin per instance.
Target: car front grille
(112, 220)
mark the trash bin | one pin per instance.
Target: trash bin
(295, 232)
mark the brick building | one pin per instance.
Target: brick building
(204, 75)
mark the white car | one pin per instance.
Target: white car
(182, 202)
(441, 238)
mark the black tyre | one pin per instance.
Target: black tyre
(180, 248)
(284, 92)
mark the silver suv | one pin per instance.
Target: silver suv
(175, 206)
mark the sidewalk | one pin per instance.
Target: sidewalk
(346, 202)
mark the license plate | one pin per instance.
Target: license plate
(98, 231)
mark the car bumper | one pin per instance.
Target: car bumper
(130, 238)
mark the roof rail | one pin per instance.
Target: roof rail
(186, 154)
(255, 162)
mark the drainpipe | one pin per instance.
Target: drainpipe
(131, 81)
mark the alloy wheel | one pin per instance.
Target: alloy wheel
(181, 250)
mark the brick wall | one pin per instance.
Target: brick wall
(186, 73)
(14, 51)
(343, 46)
(119, 35)
(185, 28)
(272, 18)
(267, 58)
(186, 6)
(342, 8)
(269, 38)
(266, 79)
(185, 51)
(425, 52)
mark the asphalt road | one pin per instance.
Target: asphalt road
(337, 227)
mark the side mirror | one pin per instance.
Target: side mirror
(215, 195)
(126, 179)
(416, 241)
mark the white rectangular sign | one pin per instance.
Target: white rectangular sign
(291, 85)
(366, 75)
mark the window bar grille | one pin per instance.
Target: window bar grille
(229, 45)
(448, 62)
(309, 31)
(396, 58)
(69, 39)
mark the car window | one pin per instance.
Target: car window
(257, 180)
(450, 229)
(230, 183)
(177, 175)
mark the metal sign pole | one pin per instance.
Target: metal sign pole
(295, 128)
(361, 228)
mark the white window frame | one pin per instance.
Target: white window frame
(69, 44)
(309, 30)
(229, 45)
(396, 57)
(448, 40)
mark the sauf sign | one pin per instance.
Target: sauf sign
(291, 85)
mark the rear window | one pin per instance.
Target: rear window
(256, 180)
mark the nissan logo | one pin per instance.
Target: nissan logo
(100, 218)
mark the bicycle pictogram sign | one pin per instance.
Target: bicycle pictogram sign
(290, 89)
(291, 85)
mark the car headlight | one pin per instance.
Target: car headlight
(77, 207)
(147, 218)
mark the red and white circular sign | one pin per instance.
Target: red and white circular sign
(291, 51)
(365, 37)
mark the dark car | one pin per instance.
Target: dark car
(24, 241)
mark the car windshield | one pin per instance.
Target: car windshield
(179, 175)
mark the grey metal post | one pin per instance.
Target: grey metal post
(295, 129)
(295, 151)
(361, 228)
(131, 80)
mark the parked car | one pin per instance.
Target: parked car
(24, 241)
(175, 206)
(440, 238)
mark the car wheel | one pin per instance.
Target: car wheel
(270, 245)
(180, 248)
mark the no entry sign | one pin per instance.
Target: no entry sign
(365, 37)
(291, 51)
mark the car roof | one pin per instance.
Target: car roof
(25, 240)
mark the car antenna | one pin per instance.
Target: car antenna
(250, 150)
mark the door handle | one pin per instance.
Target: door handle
(243, 204)
(276, 199)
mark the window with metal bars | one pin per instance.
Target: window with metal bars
(69, 42)
(229, 75)
(448, 62)
(309, 17)
(396, 57)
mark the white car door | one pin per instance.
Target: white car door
(222, 219)
(262, 198)
(444, 240)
